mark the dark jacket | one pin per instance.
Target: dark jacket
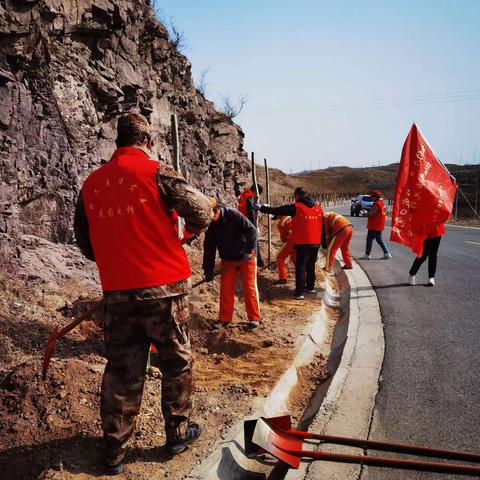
(252, 214)
(232, 234)
(290, 210)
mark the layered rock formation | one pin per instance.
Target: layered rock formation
(67, 69)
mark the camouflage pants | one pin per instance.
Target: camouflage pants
(130, 328)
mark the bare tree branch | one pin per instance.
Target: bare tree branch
(230, 109)
(202, 82)
(176, 36)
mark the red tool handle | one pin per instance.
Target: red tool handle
(389, 447)
(390, 462)
(77, 321)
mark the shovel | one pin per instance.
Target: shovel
(276, 437)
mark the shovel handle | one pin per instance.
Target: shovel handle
(77, 321)
(389, 447)
(390, 462)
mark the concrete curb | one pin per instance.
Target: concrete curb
(348, 406)
(228, 461)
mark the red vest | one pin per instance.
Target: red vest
(242, 201)
(334, 223)
(134, 240)
(307, 225)
(377, 222)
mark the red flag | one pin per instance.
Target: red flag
(424, 193)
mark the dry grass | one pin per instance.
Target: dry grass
(28, 312)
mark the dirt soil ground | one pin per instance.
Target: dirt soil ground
(51, 429)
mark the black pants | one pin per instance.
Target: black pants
(378, 236)
(305, 267)
(430, 250)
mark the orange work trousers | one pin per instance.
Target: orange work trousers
(340, 240)
(228, 280)
(285, 252)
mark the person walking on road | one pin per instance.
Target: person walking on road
(430, 251)
(338, 233)
(376, 225)
(245, 206)
(235, 237)
(287, 250)
(122, 222)
(306, 235)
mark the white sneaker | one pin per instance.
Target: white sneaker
(387, 256)
(431, 282)
(411, 280)
(365, 257)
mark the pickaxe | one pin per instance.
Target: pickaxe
(276, 437)
(56, 334)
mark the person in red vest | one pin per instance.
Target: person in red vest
(245, 206)
(430, 251)
(235, 237)
(338, 233)
(123, 223)
(287, 250)
(376, 225)
(307, 236)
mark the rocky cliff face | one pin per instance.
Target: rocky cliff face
(67, 69)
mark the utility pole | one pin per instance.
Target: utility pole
(456, 206)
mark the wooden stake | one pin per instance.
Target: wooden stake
(269, 220)
(176, 143)
(255, 184)
(176, 159)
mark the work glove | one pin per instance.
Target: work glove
(257, 206)
(209, 276)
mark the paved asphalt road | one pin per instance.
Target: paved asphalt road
(430, 383)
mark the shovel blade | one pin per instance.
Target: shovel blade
(277, 443)
(251, 449)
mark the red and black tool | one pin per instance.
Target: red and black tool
(276, 437)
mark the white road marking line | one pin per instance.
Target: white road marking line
(474, 243)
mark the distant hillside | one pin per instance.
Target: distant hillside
(360, 180)
(352, 181)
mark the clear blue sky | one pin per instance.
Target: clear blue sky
(340, 83)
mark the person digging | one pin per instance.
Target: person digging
(287, 250)
(122, 222)
(235, 237)
(338, 233)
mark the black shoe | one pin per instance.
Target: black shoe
(193, 432)
(282, 282)
(253, 324)
(112, 470)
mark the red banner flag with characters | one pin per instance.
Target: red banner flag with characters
(424, 193)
